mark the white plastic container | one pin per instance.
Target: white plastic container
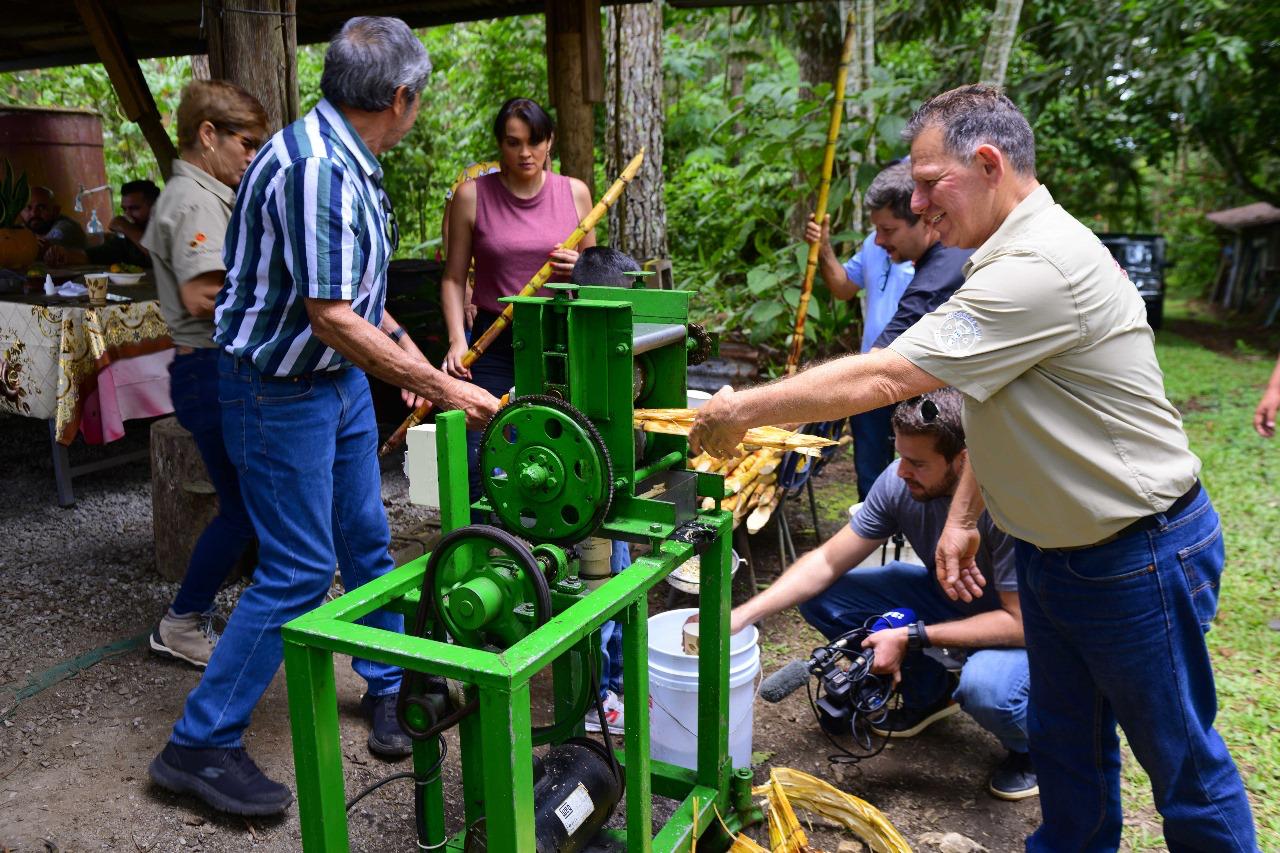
(420, 465)
(695, 398)
(673, 692)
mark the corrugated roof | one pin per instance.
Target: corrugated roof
(1249, 216)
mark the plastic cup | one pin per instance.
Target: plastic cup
(97, 285)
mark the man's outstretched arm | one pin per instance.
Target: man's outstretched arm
(835, 389)
(807, 576)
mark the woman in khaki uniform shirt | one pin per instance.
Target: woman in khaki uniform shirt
(219, 130)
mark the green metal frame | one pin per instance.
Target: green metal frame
(497, 742)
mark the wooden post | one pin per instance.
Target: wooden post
(253, 43)
(126, 78)
(576, 80)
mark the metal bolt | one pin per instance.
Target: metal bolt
(518, 344)
(621, 349)
(655, 527)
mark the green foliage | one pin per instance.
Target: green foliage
(13, 196)
(1147, 114)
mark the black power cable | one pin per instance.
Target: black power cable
(433, 773)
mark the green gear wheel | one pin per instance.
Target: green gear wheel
(546, 470)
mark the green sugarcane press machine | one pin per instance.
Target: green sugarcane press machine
(564, 471)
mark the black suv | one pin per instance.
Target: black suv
(1142, 257)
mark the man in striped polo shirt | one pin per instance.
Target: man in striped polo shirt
(299, 320)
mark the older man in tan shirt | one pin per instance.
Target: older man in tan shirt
(1080, 456)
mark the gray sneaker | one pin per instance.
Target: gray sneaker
(189, 638)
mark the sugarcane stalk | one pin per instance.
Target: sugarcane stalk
(824, 190)
(539, 278)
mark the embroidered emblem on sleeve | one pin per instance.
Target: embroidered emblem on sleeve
(959, 333)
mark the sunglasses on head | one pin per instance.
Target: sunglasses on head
(928, 410)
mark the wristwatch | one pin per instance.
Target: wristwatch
(917, 637)
(396, 334)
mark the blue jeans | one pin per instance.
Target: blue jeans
(611, 631)
(994, 682)
(306, 450)
(193, 385)
(1115, 633)
(872, 446)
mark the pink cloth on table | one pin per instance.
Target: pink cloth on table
(129, 388)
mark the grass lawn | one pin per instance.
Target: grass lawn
(1216, 390)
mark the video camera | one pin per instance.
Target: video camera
(849, 698)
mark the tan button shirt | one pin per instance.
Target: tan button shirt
(1069, 431)
(184, 236)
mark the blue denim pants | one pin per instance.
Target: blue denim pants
(872, 446)
(306, 451)
(193, 386)
(994, 682)
(611, 631)
(1115, 633)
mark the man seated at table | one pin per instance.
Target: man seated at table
(43, 215)
(912, 497)
(123, 244)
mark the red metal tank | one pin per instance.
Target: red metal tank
(60, 149)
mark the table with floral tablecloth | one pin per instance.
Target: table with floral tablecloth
(55, 353)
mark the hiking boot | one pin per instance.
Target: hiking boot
(386, 738)
(612, 714)
(909, 722)
(189, 638)
(1015, 778)
(226, 779)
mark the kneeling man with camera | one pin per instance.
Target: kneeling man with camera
(911, 497)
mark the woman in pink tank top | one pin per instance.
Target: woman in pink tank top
(510, 223)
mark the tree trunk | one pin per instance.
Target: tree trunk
(575, 81)
(253, 43)
(1004, 28)
(634, 110)
(859, 114)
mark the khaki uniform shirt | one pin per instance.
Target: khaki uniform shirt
(1068, 428)
(184, 236)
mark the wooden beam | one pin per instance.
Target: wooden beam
(592, 52)
(126, 78)
(569, 80)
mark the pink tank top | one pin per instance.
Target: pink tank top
(513, 236)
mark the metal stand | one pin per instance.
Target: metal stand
(497, 757)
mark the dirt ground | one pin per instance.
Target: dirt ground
(84, 707)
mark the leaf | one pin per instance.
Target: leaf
(760, 280)
(758, 758)
(764, 312)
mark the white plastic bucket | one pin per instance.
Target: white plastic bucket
(673, 692)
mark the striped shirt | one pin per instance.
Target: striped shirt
(311, 220)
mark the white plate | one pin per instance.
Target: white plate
(125, 278)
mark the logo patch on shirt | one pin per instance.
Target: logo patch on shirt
(959, 333)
